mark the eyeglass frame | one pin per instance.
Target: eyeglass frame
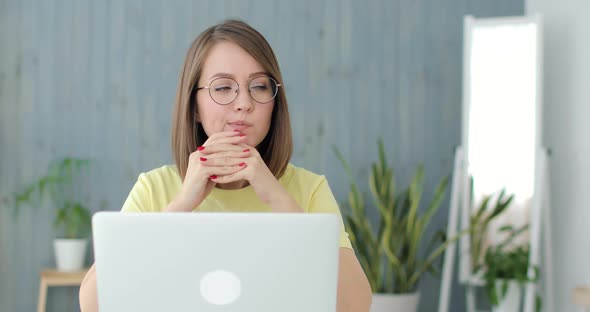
(238, 90)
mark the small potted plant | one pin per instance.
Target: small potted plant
(505, 272)
(390, 253)
(72, 218)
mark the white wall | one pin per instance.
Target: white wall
(567, 133)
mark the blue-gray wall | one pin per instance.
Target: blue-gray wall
(97, 79)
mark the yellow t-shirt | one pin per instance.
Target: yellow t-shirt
(155, 189)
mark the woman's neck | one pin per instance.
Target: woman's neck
(233, 185)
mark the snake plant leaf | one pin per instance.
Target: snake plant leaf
(482, 207)
(413, 231)
(502, 205)
(439, 194)
(415, 195)
(506, 228)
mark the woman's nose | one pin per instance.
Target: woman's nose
(243, 101)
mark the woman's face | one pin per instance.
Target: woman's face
(227, 59)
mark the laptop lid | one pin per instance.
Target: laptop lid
(216, 261)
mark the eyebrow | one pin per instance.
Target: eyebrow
(233, 76)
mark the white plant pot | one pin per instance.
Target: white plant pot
(395, 302)
(70, 254)
(511, 302)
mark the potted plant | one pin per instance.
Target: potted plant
(390, 253)
(505, 272)
(72, 218)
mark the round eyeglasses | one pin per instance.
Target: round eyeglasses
(224, 90)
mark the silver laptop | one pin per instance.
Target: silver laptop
(239, 262)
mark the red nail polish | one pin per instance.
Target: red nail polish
(203, 159)
(246, 150)
(200, 148)
(242, 164)
(213, 177)
(236, 130)
(242, 135)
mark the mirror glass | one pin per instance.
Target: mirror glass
(502, 136)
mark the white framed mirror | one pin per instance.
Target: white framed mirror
(501, 147)
(502, 137)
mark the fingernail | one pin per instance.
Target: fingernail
(241, 134)
(213, 177)
(242, 164)
(236, 130)
(246, 150)
(203, 159)
(200, 148)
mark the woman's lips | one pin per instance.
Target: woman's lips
(240, 126)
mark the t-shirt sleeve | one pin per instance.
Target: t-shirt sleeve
(139, 199)
(323, 201)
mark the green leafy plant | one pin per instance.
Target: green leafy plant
(479, 223)
(503, 264)
(57, 183)
(390, 255)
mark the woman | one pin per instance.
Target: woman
(231, 139)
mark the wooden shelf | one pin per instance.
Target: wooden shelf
(60, 278)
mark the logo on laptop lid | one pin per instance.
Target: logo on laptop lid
(220, 287)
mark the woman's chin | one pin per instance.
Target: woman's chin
(251, 142)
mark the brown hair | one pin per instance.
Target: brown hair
(188, 133)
